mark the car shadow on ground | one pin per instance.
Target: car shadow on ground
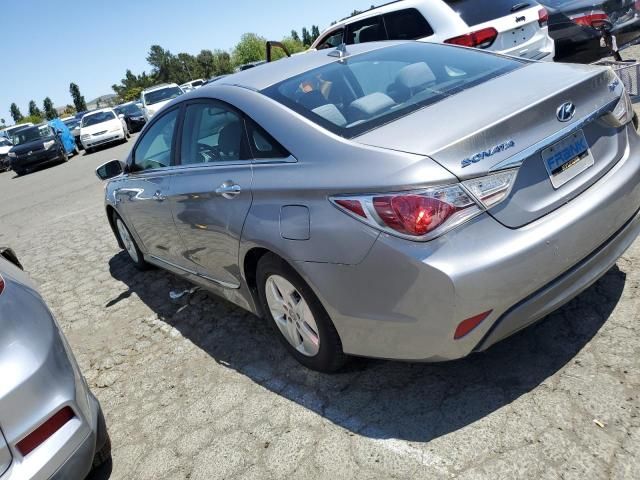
(374, 398)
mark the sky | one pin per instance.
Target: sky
(48, 44)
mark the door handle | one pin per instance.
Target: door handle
(158, 196)
(228, 189)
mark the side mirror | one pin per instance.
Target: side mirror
(120, 115)
(111, 169)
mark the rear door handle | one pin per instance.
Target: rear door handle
(228, 189)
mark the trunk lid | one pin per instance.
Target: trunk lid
(506, 120)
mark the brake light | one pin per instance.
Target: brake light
(428, 213)
(637, 5)
(481, 39)
(593, 19)
(543, 17)
(1, 284)
(45, 431)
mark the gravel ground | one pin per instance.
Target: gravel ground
(204, 390)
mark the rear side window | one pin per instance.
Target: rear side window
(368, 30)
(262, 144)
(408, 24)
(474, 12)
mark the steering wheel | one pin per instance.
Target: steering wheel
(208, 153)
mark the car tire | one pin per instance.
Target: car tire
(65, 156)
(129, 243)
(19, 172)
(88, 151)
(306, 331)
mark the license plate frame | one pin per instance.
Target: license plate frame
(567, 158)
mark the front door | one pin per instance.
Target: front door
(142, 197)
(211, 190)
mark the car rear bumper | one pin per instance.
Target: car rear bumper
(405, 300)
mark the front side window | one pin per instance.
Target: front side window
(154, 148)
(359, 93)
(407, 24)
(96, 118)
(211, 133)
(162, 95)
(368, 30)
(332, 40)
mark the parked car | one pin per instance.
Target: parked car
(102, 127)
(505, 26)
(5, 146)
(9, 131)
(36, 146)
(214, 79)
(73, 124)
(192, 85)
(571, 26)
(51, 425)
(133, 116)
(350, 198)
(154, 98)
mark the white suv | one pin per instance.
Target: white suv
(512, 27)
(154, 98)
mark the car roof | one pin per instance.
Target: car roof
(268, 74)
(106, 109)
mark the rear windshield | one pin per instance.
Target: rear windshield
(365, 91)
(474, 12)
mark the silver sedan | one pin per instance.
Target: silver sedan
(51, 425)
(398, 200)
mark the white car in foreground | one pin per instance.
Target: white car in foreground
(101, 127)
(154, 98)
(512, 27)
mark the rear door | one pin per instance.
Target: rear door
(517, 24)
(211, 189)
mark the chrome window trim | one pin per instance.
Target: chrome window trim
(518, 159)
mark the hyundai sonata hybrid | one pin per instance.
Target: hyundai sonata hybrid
(400, 200)
(51, 425)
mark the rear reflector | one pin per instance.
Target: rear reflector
(481, 39)
(353, 206)
(36, 438)
(543, 17)
(469, 324)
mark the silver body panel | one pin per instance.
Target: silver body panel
(387, 296)
(39, 377)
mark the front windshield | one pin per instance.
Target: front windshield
(96, 118)
(362, 92)
(162, 95)
(129, 109)
(72, 123)
(31, 134)
(4, 142)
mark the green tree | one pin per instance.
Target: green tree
(31, 119)
(131, 86)
(15, 113)
(206, 64)
(223, 63)
(69, 110)
(251, 48)
(306, 37)
(162, 62)
(34, 111)
(49, 111)
(315, 33)
(78, 99)
(292, 45)
(295, 36)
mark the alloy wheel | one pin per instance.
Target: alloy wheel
(128, 242)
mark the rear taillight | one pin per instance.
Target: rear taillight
(543, 17)
(1, 284)
(45, 431)
(466, 326)
(481, 39)
(428, 213)
(594, 18)
(637, 5)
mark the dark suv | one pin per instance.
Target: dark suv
(35, 146)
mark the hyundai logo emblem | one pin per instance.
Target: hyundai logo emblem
(566, 111)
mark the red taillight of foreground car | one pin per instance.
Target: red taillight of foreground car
(354, 206)
(41, 434)
(637, 5)
(1, 284)
(543, 17)
(593, 19)
(481, 39)
(466, 326)
(413, 214)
